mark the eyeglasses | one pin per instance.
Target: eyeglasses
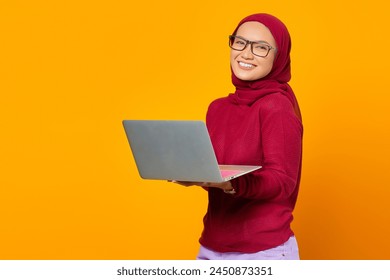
(258, 48)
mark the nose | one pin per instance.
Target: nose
(247, 52)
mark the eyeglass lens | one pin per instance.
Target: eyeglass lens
(258, 48)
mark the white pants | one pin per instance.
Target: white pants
(286, 251)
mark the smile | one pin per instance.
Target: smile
(246, 65)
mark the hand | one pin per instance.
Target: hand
(184, 183)
(226, 186)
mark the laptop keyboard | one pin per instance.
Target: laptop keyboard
(228, 173)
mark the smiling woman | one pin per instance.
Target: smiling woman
(255, 62)
(71, 71)
(260, 124)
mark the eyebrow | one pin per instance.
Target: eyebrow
(261, 41)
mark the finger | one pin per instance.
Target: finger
(183, 183)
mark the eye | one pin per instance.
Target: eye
(262, 47)
(239, 42)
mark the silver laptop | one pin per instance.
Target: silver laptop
(177, 150)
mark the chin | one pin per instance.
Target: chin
(246, 78)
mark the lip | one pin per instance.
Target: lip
(244, 67)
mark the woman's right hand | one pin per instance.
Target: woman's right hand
(187, 184)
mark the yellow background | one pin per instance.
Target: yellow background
(71, 71)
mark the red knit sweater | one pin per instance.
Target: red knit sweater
(266, 133)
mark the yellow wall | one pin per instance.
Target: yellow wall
(71, 71)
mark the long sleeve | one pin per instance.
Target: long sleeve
(266, 133)
(281, 140)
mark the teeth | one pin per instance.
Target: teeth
(246, 65)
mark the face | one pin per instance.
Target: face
(247, 66)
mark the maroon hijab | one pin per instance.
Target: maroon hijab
(247, 92)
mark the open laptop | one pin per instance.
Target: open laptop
(177, 150)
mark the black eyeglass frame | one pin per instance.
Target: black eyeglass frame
(233, 37)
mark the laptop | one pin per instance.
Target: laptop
(177, 150)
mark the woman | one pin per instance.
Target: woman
(260, 124)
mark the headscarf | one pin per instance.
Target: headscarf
(248, 92)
